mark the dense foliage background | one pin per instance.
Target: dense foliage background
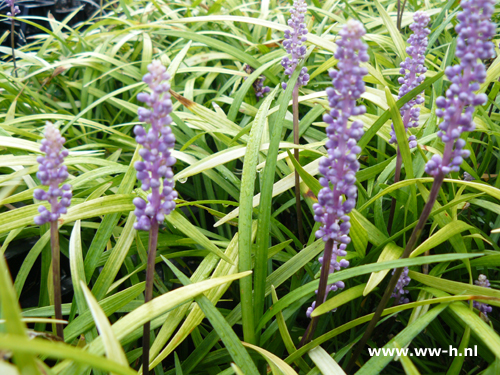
(85, 78)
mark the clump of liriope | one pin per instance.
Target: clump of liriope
(155, 172)
(338, 196)
(484, 308)
(295, 47)
(52, 173)
(474, 30)
(413, 71)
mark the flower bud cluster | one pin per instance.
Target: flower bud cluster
(258, 84)
(293, 43)
(51, 173)
(338, 196)
(156, 153)
(11, 4)
(474, 31)
(483, 281)
(413, 70)
(399, 290)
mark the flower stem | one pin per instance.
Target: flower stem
(397, 176)
(56, 275)
(12, 39)
(153, 242)
(436, 185)
(295, 106)
(321, 296)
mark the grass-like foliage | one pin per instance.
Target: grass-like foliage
(234, 267)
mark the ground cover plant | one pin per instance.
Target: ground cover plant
(233, 187)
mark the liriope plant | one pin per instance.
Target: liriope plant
(474, 30)
(52, 173)
(154, 172)
(338, 196)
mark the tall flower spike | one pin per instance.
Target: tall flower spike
(474, 31)
(338, 196)
(293, 43)
(483, 281)
(51, 173)
(413, 70)
(157, 144)
(400, 291)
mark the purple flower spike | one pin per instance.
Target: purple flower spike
(51, 173)
(474, 31)
(338, 196)
(399, 290)
(11, 5)
(293, 43)
(157, 144)
(413, 70)
(258, 84)
(483, 281)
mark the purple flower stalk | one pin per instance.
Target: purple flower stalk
(338, 196)
(258, 84)
(483, 281)
(474, 31)
(400, 291)
(157, 144)
(293, 43)
(13, 8)
(413, 70)
(51, 173)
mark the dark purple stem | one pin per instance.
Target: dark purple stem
(153, 242)
(321, 296)
(295, 106)
(438, 181)
(56, 275)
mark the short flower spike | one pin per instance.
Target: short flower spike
(400, 291)
(413, 70)
(293, 43)
(11, 4)
(483, 281)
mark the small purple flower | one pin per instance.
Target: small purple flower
(474, 31)
(51, 173)
(399, 290)
(258, 84)
(156, 152)
(413, 70)
(338, 196)
(11, 5)
(483, 281)
(293, 43)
